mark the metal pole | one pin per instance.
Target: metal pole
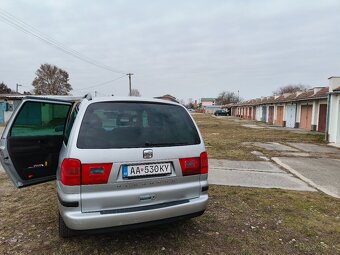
(17, 89)
(129, 74)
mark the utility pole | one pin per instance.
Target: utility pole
(95, 93)
(18, 85)
(129, 74)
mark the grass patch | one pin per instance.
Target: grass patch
(225, 138)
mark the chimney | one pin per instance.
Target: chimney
(334, 82)
(286, 95)
(317, 89)
(298, 93)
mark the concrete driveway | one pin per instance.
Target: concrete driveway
(321, 173)
(307, 167)
(253, 174)
(317, 165)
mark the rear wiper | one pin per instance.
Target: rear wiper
(149, 144)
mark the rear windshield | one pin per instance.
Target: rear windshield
(133, 125)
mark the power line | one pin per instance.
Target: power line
(24, 27)
(100, 84)
(13, 21)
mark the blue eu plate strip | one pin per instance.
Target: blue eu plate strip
(125, 171)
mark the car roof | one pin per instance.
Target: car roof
(91, 99)
(131, 99)
(55, 97)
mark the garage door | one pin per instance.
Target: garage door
(264, 113)
(290, 115)
(279, 116)
(322, 117)
(306, 117)
(271, 115)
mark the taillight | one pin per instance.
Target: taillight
(204, 162)
(192, 166)
(70, 172)
(95, 173)
(74, 173)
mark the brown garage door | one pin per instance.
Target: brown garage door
(306, 117)
(279, 116)
(271, 115)
(322, 117)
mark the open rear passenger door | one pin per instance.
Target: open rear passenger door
(31, 141)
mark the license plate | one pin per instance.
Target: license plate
(131, 171)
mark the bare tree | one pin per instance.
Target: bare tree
(190, 105)
(290, 88)
(227, 97)
(135, 93)
(4, 89)
(51, 80)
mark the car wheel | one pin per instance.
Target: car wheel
(64, 231)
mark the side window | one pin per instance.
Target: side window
(69, 124)
(40, 119)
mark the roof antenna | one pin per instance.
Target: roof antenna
(88, 96)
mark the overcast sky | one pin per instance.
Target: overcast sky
(189, 49)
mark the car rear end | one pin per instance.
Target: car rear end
(130, 163)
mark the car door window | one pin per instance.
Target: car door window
(33, 141)
(40, 119)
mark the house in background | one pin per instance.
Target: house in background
(208, 105)
(316, 109)
(333, 114)
(8, 103)
(207, 102)
(303, 109)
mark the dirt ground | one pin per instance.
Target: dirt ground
(237, 221)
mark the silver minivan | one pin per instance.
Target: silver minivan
(118, 162)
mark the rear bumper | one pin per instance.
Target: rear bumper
(139, 225)
(77, 220)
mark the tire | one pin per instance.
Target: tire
(64, 231)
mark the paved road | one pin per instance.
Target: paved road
(253, 174)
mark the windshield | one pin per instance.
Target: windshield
(134, 125)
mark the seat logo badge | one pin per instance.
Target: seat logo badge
(147, 154)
